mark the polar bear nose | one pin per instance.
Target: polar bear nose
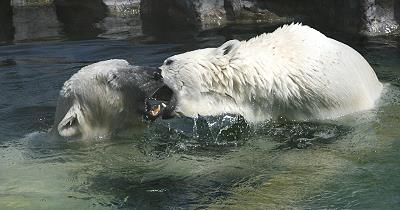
(157, 74)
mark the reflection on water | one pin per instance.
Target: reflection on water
(72, 19)
(207, 162)
(146, 171)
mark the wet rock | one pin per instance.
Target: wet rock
(338, 15)
(24, 20)
(123, 20)
(217, 13)
(79, 18)
(381, 17)
(256, 11)
(115, 27)
(34, 20)
(370, 17)
(178, 13)
(21, 3)
(207, 14)
(6, 27)
(123, 8)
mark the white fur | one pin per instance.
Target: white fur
(89, 73)
(295, 72)
(99, 99)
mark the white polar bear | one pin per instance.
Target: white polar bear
(103, 98)
(294, 72)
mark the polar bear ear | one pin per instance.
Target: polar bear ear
(69, 125)
(229, 47)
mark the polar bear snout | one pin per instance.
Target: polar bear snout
(152, 73)
(157, 74)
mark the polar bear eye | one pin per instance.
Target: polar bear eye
(168, 62)
(111, 78)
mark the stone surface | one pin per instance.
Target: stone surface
(115, 27)
(342, 15)
(34, 20)
(205, 14)
(123, 19)
(35, 23)
(79, 18)
(119, 19)
(123, 8)
(20, 3)
(370, 17)
(381, 17)
(165, 11)
(6, 27)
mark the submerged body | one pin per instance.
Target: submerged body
(104, 98)
(294, 72)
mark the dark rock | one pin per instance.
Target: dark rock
(380, 17)
(30, 3)
(79, 18)
(27, 20)
(115, 27)
(397, 11)
(183, 13)
(6, 27)
(22, 20)
(123, 20)
(205, 14)
(35, 22)
(370, 17)
(123, 8)
(342, 15)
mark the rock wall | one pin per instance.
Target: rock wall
(6, 27)
(370, 17)
(79, 17)
(21, 3)
(342, 15)
(202, 14)
(27, 20)
(22, 20)
(380, 17)
(123, 19)
(34, 20)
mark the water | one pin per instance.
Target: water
(219, 162)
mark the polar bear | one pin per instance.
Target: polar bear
(294, 72)
(103, 98)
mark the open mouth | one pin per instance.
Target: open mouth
(160, 104)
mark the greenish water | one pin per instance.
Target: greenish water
(218, 162)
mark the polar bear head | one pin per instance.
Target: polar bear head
(197, 77)
(103, 98)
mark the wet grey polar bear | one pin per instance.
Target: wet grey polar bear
(103, 98)
(295, 72)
